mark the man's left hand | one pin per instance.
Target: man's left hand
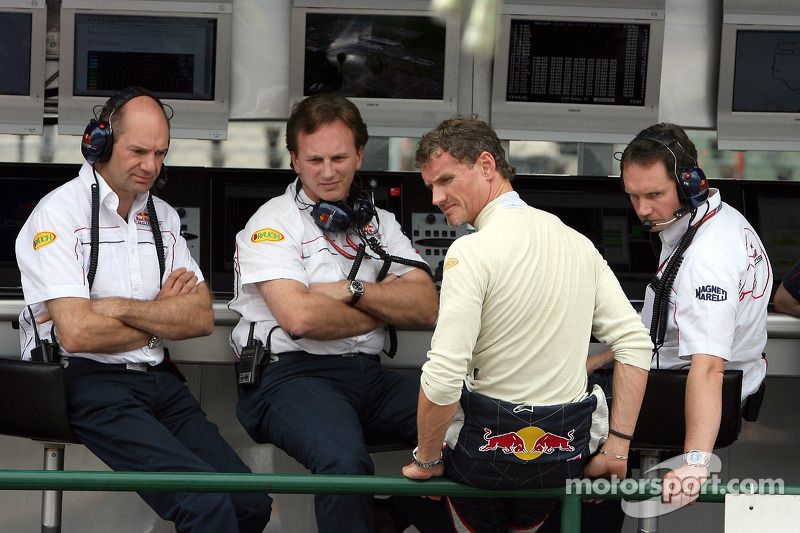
(681, 486)
(412, 471)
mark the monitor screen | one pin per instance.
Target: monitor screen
(576, 78)
(399, 66)
(758, 106)
(22, 60)
(180, 52)
(171, 56)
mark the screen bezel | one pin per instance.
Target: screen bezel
(399, 117)
(569, 121)
(24, 113)
(751, 130)
(193, 119)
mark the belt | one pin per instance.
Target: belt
(82, 362)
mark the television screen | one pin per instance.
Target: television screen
(181, 51)
(15, 53)
(23, 26)
(758, 102)
(171, 56)
(563, 75)
(399, 65)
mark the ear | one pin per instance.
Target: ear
(295, 163)
(359, 158)
(486, 163)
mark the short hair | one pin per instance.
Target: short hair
(661, 142)
(464, 139)
(310, 114)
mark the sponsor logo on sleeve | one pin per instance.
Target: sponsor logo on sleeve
(43, 238)
(266, 235)
(450, 263)
(711, 293)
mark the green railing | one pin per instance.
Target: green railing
(327, 484)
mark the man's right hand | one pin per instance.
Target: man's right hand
(179, 281)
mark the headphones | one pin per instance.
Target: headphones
(355, 212)
(692, 183)
(98, 137)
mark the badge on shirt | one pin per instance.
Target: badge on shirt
(266, 235)
(142, 219)
(450, 263)
(43, 238)
(711, 293)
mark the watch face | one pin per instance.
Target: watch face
(356, 287)
(696, 458)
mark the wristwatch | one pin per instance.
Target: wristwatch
(696, 458)
(356, 288)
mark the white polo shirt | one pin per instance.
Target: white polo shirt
(282, 241)
(53, 251)
(718, 304)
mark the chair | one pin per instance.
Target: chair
(39, 392)
(664, 402)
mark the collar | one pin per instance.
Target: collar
(508, 200)
(107, 195)
(672, 235)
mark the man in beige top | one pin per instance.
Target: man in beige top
(520, 299)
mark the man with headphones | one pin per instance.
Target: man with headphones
(319, 272)
(707, 306)
(107, 275)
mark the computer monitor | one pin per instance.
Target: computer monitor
(399, 65)
(586, 73)
(758, 105)
(23, 29)
(180, 51)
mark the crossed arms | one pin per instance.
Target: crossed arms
(182, 309)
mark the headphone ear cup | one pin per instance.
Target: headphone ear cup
(363, 210)
(693, 183)
(96, 141)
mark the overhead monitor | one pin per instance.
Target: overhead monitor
(569, 73)
(180, 51)
(758, 105)
(399, 65)
(23, 28)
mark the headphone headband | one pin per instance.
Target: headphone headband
(97, 140)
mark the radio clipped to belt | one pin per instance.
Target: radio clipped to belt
(252, 357)
(45, 351)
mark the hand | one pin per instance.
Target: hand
(681, 486)
(180, 281)
(412, 471)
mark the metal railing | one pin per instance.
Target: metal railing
(327, 484)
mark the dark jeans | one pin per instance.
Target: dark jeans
(319, 408)
(149, 421)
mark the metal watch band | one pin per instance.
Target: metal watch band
(426, 466)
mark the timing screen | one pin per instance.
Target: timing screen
(577, 62)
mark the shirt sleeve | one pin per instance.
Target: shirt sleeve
(268, 247)
(50, 257)
(616, 323)
(460, 309)
(706, 295)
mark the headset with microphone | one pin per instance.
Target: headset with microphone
(693, 188)
(97, 141)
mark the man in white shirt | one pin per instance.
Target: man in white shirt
(520, 299)
(104, 259)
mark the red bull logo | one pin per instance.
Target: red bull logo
(527, 443)
(549, 442)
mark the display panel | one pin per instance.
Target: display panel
(562, 76)
(180, 52)
(22, 60)
(759, 87)
(398, 65)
